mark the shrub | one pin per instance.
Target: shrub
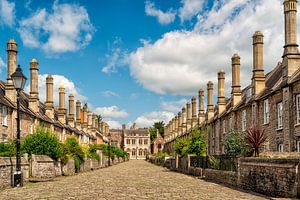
(92, 152)
(8, 149)
(234, 143)
(42, 142)
(194, 144)
(72, 149)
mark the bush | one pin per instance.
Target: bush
(8, 149)
(92, 152)
(42, 142)
(161, 154)
(71, 148)
(234, 143)
(195, 144)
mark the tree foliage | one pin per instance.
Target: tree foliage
(8, 149)
(234, 143)
(194, 144)
(42, 142)
(71, 148)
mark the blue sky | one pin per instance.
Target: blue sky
(134, 60)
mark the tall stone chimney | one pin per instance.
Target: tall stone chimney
(85, 117)
(291, 57)
(34, 94)
(78, 115)
(188, 116)
(221, 91)
(12, 50)
(179, 123)
(90, 120)
(71, 120)
(258, 78)
(236, 93)
(176, 125)
(49, 97)
(183, 120)
(210, 104)
(201, 111)
(194, 112)
(62, 108)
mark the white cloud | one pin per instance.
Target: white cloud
(148, 119)
(2, 64)
(173, 106)
(111, 112)
(58, 80)
(7, 13)
(109, 93)
(66, 28)
(162, 17)
(189, 9)
(113, 124)
(181, 62)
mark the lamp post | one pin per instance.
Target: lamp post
(19, 81)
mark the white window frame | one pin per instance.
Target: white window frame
(298, 108)
(244, 120)
(266, 112)
(279, 115)
(280, 147)
(298, 146)
(224, 126)
(4, 115)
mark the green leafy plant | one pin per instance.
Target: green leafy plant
(72, 149)
(256, 138)
(42, 142)
(234, 143)
(8, 149)
(194, 144)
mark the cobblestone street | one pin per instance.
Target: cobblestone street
(130, 180)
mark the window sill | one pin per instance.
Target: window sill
(5, 125)
(264, 124)
(279, 129)
(297, 125)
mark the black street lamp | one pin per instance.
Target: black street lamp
(19, 81)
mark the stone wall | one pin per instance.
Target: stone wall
(221, 176)
(42, 166)
(271, 176)
(69, 168)
(8, 167)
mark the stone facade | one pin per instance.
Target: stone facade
(60, 120)
(158, 144)
(271, 102)
(137, 143)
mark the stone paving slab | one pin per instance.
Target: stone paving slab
(135, 179)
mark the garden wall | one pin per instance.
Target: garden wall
(221, 176)
(271, 176)
(42, 166)
(8, 167)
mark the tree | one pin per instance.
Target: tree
(194, 144)
(160, 126)
(234, 143)
(99, 118)
(153, 134)
(255, 138)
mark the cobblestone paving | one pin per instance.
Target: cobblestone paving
(130, 180)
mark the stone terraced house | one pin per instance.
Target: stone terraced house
(271, 102)
(59, 119)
